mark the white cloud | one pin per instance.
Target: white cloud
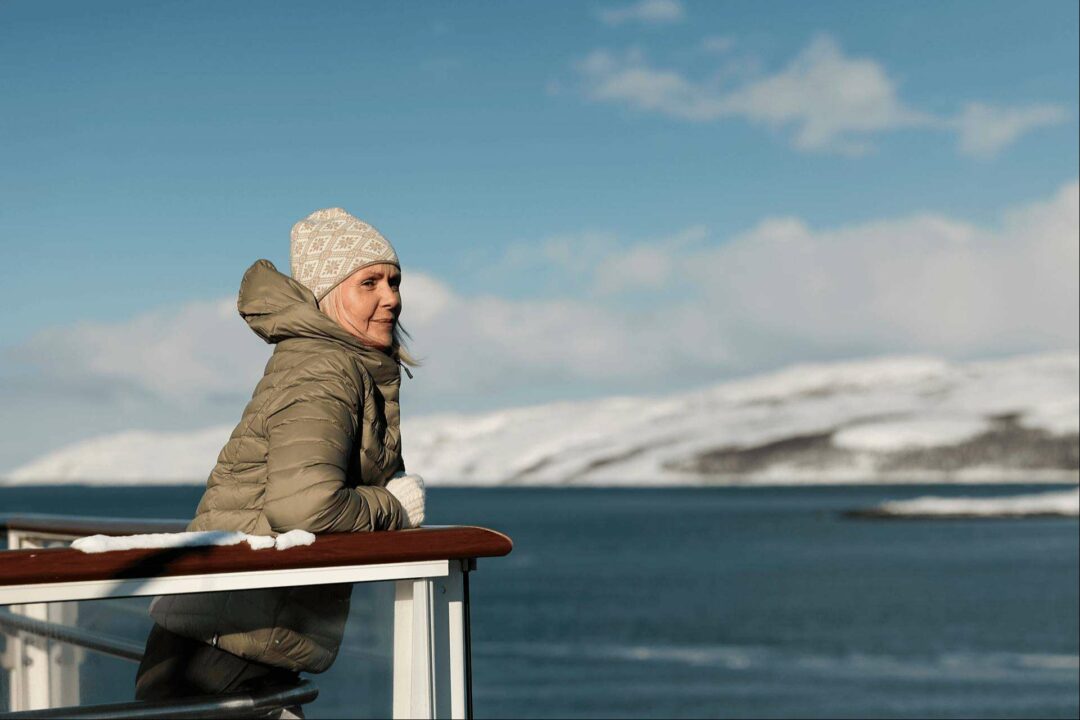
(184, 355)
(718, 44)
(780, 292)
(832, 101)
(646, 265)
(427, 299)
(627, 78)
(926, 282)
(985, 130)
(649, 12)
(493, 344)
(574, 253)
(643, 267)
(827, 100)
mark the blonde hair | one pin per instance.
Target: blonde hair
(397, 350)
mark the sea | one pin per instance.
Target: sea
(705, 602)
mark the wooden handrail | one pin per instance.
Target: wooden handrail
(27, 567)
(80, 526)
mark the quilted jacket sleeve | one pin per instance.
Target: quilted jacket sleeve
(310, 436)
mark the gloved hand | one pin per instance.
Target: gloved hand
(409, 490)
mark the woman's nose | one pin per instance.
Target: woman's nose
(390, 299)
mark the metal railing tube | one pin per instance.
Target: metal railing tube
(72, 635)
(255, 704)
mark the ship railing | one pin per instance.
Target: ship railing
(39, 576)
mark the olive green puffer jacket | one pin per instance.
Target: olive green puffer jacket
(315, 445)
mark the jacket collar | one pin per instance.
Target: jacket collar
(277, 307)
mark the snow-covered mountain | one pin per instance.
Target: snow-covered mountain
(896, 419)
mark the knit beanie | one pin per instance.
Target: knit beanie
(330, 245)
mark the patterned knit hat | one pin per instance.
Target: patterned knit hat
(330, 245)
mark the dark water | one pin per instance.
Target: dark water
(738, 602)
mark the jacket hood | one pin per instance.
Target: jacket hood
(277, 307)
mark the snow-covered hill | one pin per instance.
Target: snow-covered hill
(897, 419)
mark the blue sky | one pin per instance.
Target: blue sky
(514, 153)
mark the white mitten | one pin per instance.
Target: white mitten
(409, 490)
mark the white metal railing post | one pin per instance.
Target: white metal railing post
(41, 673)
(449, 647)
(423, 657)
(431, 647)
(413, 650)
(403, 649)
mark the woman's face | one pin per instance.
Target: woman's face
(367, 304)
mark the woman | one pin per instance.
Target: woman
(317, 448)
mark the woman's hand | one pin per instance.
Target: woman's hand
(409, 490)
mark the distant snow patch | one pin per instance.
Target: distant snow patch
(1065, 503)
(909, 433)
(1060, 416)
(108, 543)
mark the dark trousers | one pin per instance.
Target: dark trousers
(174, 666)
